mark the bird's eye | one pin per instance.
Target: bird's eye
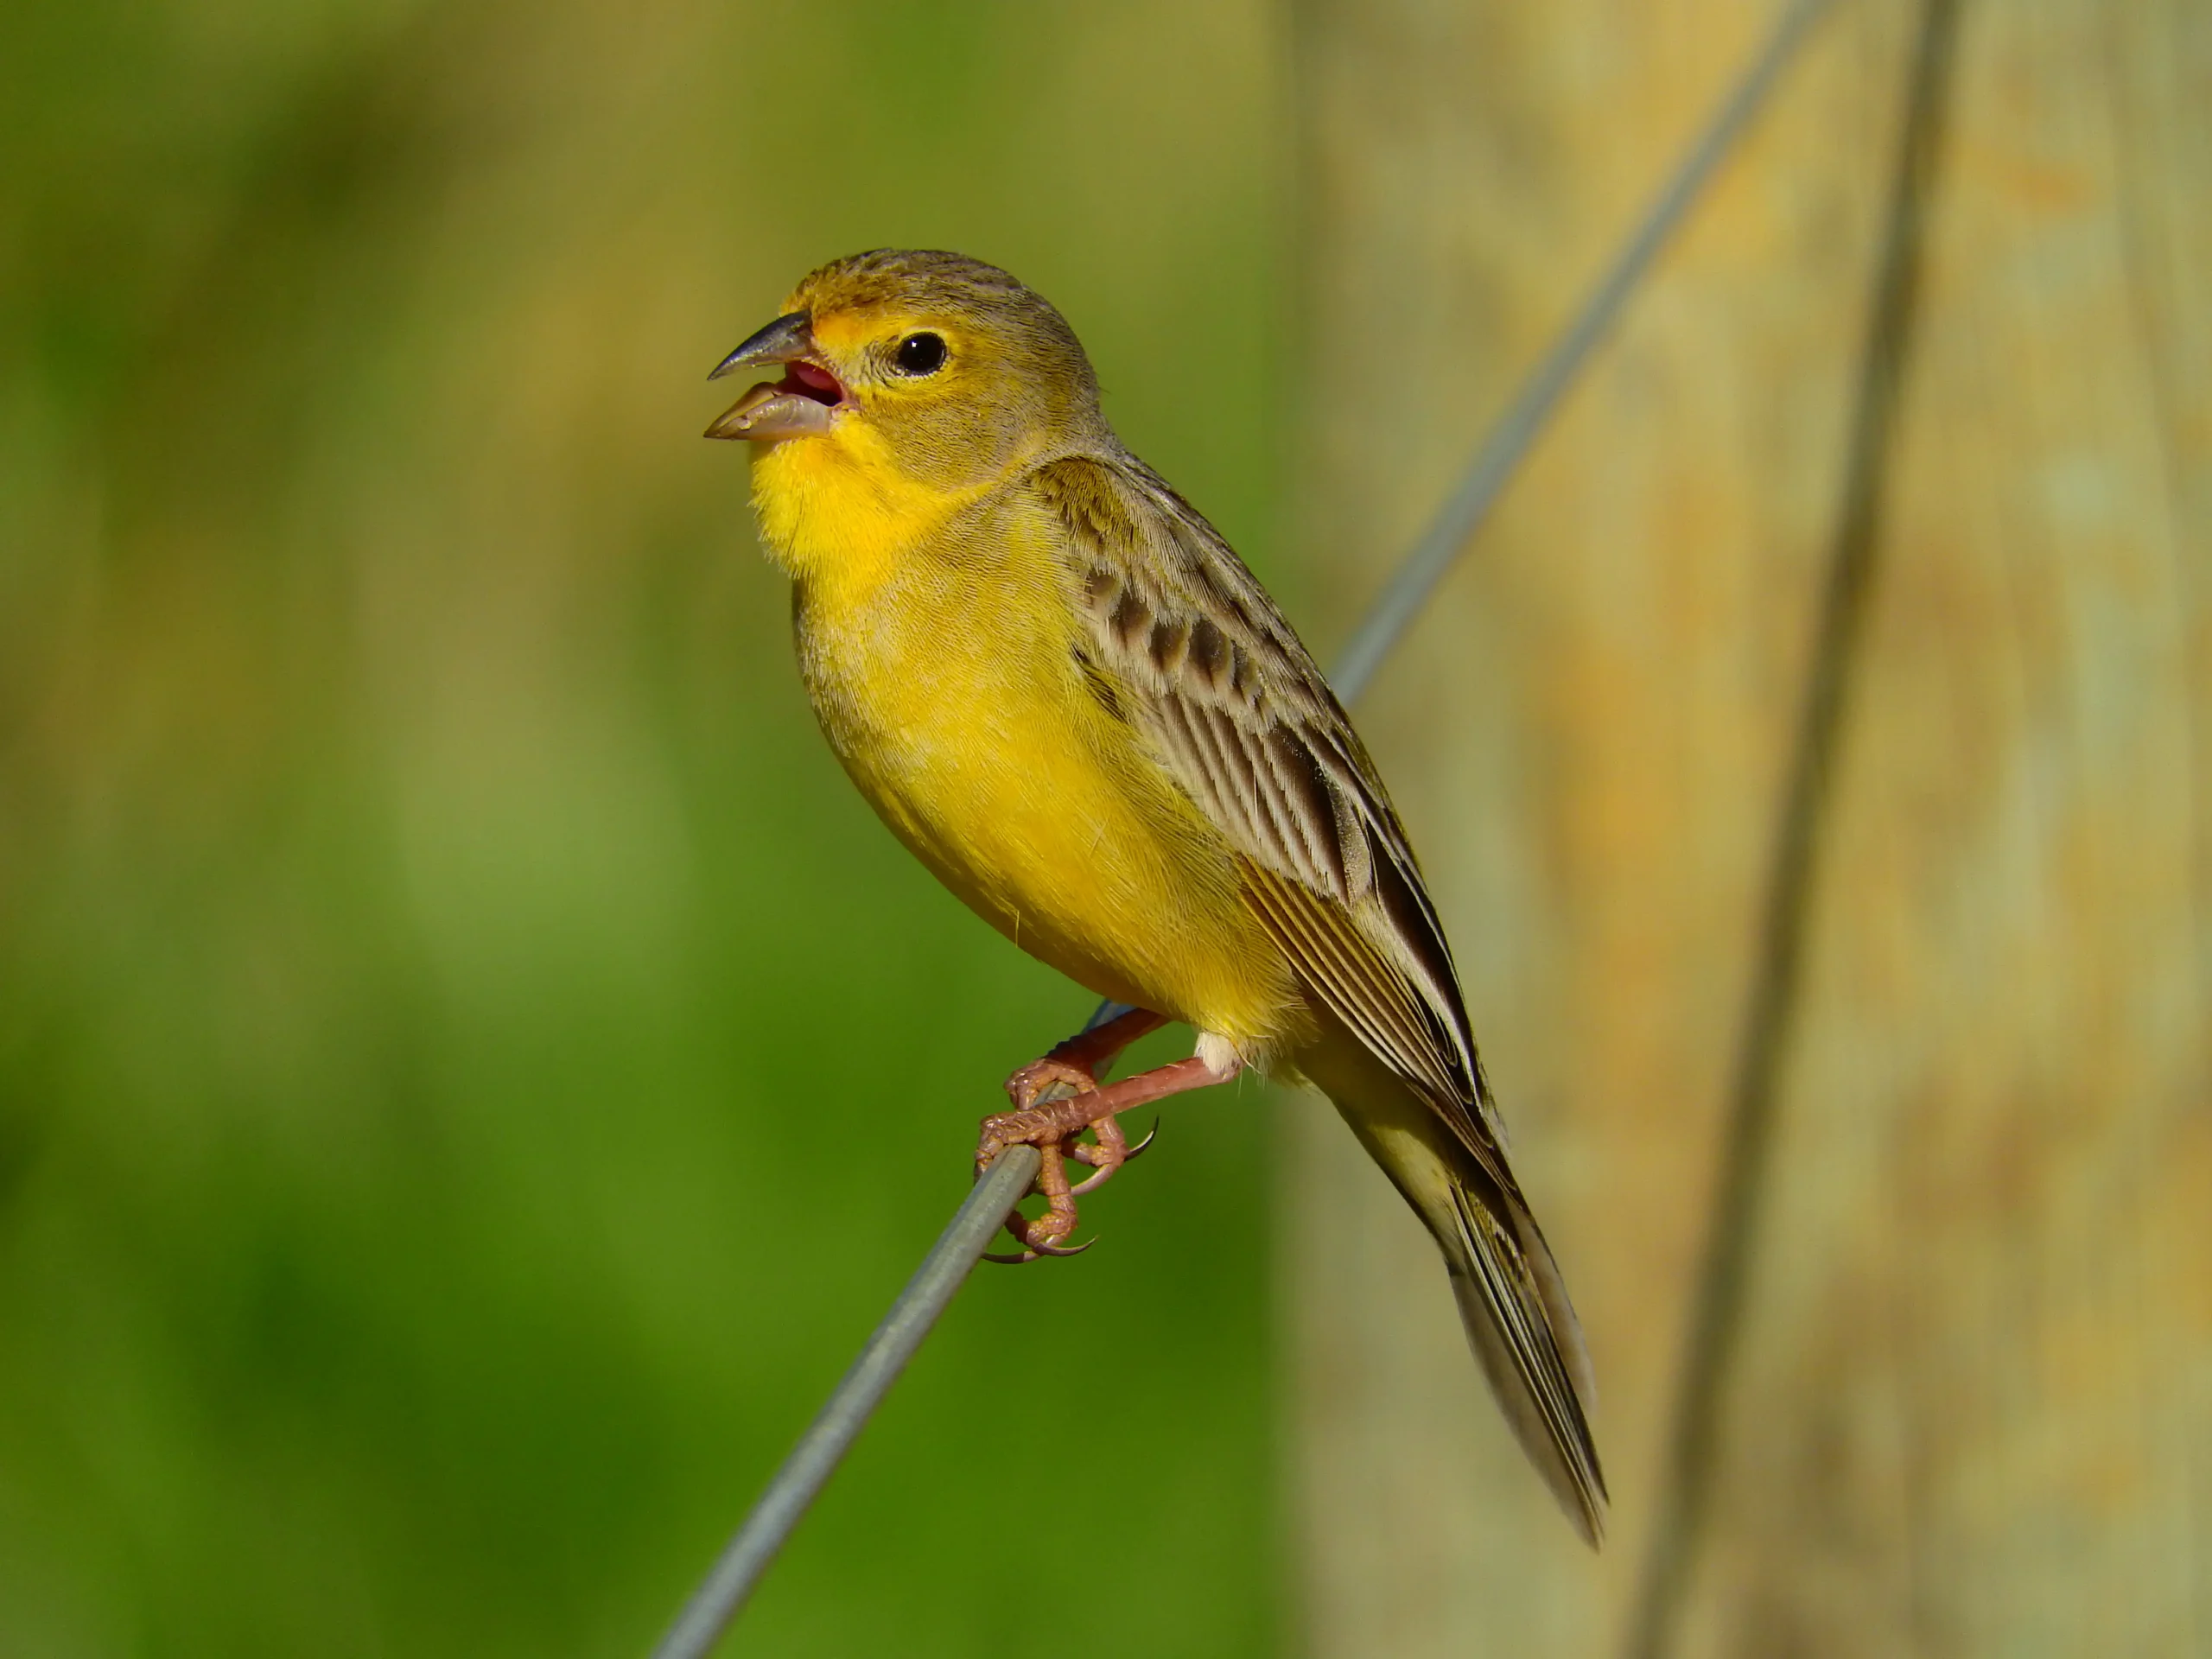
(920, 355)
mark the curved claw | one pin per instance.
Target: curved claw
(1109, 1155)
(1037, 1252)
(1105, 1168)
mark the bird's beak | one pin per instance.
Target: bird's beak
(800, 405)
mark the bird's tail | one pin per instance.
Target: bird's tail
(1512, 1300)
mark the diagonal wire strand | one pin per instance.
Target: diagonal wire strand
(819, 1451)
(1509, 440)
(738, 1570)
(1510, 436)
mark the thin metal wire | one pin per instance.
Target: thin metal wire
(1508, 442)
(812, 1462)
(1501, 452)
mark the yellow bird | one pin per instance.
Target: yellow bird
(1063, 691)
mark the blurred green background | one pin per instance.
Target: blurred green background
(471, 1070)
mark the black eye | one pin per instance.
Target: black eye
(920, 355)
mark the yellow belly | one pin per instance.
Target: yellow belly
(943, 676)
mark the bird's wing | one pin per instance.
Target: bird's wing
(1196, 656)
(1212, 673)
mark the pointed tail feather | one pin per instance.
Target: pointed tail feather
(1524, 1333)
(1511, 1299)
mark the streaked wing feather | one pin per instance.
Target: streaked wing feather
(1361, 988)
(1209, 669)
(1230, 698)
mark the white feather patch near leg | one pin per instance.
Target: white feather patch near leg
(1220, 1054)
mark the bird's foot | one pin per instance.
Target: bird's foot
(1057, 1111)
(1048, 1233)
(1107, 1151)
(1040, 1094)
(1053, 1103)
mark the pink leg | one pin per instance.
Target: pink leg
(1078, 1062)
(1050, 1126)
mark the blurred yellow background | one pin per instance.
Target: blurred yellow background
(473, 1069)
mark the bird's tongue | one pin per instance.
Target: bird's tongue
(818, 383)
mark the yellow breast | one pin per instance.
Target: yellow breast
(941, 660)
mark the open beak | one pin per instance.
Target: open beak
(800, 405)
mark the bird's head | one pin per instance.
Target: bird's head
(941, 366)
